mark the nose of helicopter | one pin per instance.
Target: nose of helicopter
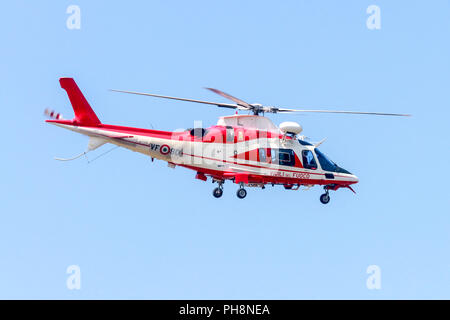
(348, 175)
(354, 178)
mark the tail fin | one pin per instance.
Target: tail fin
(84, 115)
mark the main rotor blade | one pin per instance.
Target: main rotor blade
(219, 104)
(228, 96)
(345, 112)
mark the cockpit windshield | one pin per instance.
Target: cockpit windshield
(327, 164)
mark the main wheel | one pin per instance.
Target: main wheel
(325, 198)
(217, 192)
(241, 193)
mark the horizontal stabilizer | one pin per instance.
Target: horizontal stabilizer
(95, 143)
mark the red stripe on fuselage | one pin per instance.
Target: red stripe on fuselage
(254, 178)
(121, 129)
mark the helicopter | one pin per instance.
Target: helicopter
(246, 149)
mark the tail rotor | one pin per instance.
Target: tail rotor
(53, 114)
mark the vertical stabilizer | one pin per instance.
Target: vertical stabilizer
(84, 115)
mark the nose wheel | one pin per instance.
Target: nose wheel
(325, 198)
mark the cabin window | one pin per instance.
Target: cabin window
(262, 155)
(286, 157)
(274, 156)
(308, 160)
(230, 135)
(283, 157)
(198, 132)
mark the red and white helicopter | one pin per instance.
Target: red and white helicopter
(248, 150)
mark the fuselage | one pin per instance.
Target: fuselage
(231, 150)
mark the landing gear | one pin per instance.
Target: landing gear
(241, 193)
(325, 198)
(217, 192)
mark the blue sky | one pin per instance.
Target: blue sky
(138, 229)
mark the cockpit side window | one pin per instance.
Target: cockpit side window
(308, 160)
